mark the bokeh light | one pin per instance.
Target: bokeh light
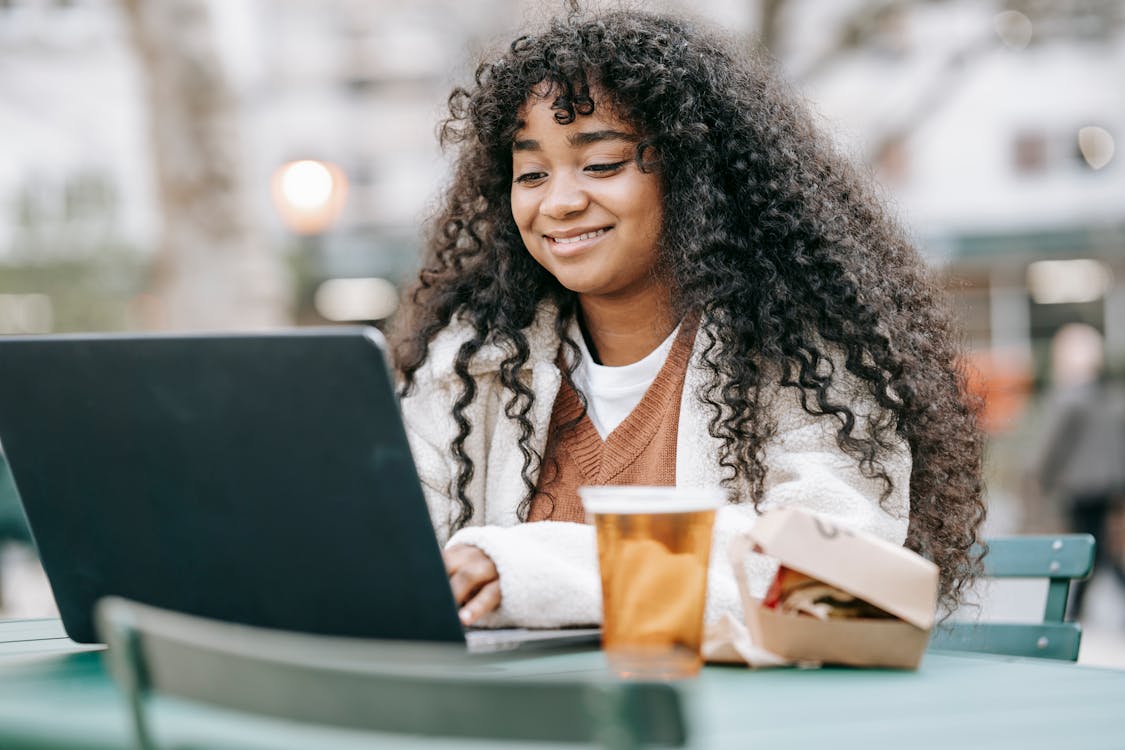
(1068, 281)
(1096, 145)
(1014, 28)
(353, 300)
(309, 195)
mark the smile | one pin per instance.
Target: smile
(578, 238)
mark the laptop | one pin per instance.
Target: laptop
(259, 478)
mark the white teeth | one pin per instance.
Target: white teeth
(579, 238)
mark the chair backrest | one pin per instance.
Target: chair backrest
(380, 686)
(1059, 558)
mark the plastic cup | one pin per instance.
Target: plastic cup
(654, 544)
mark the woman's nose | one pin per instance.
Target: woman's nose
(564, 197)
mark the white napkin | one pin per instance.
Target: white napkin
(728, 641)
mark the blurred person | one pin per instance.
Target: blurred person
(1080, 463)
(650, 269)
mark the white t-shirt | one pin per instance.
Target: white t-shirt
(613, 392)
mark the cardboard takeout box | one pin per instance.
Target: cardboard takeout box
(888, 576)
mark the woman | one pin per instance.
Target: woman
(650, 269)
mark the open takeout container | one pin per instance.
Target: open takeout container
(892, 578)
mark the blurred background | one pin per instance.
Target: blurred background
(207, 164)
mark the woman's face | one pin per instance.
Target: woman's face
(585, 211)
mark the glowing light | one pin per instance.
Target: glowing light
(1014, 28)
(1061, 281)
(344, 300)
(309, 195)
(1096, 146)
(306, 184)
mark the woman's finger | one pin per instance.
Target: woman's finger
(456, 556)
(486, 600)
(466, 582)
(469, 571)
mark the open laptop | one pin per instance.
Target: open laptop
(258, 478)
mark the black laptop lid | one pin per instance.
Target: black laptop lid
(258, 478)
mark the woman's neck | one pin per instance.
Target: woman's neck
(621, 332)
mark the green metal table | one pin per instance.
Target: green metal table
(55, 695)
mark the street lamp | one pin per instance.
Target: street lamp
(308, 195)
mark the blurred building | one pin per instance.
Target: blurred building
(992, 129)
(995, 132)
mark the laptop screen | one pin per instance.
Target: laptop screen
(259, 478)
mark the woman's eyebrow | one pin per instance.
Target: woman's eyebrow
(580, 139)
(586, 138)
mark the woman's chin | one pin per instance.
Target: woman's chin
(579, 284)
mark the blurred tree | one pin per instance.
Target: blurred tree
(212, 269)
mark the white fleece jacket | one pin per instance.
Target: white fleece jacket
(549, 570)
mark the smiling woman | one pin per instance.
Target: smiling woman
(650, 269)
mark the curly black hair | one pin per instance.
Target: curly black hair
(768, 234)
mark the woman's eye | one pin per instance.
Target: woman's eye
(606, 168)
(529, 177)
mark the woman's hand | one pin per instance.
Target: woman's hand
(474, 580)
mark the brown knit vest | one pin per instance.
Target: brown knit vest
(640, 450)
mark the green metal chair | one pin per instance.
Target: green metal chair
(1059, 558)
(394, 689)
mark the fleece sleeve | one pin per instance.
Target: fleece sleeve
(548, 573)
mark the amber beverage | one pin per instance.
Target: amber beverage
(653, 549)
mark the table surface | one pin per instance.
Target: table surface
(54, 694)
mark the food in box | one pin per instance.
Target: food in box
(841, 596)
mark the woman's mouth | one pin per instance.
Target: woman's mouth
(569, 245)
(579, 238)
